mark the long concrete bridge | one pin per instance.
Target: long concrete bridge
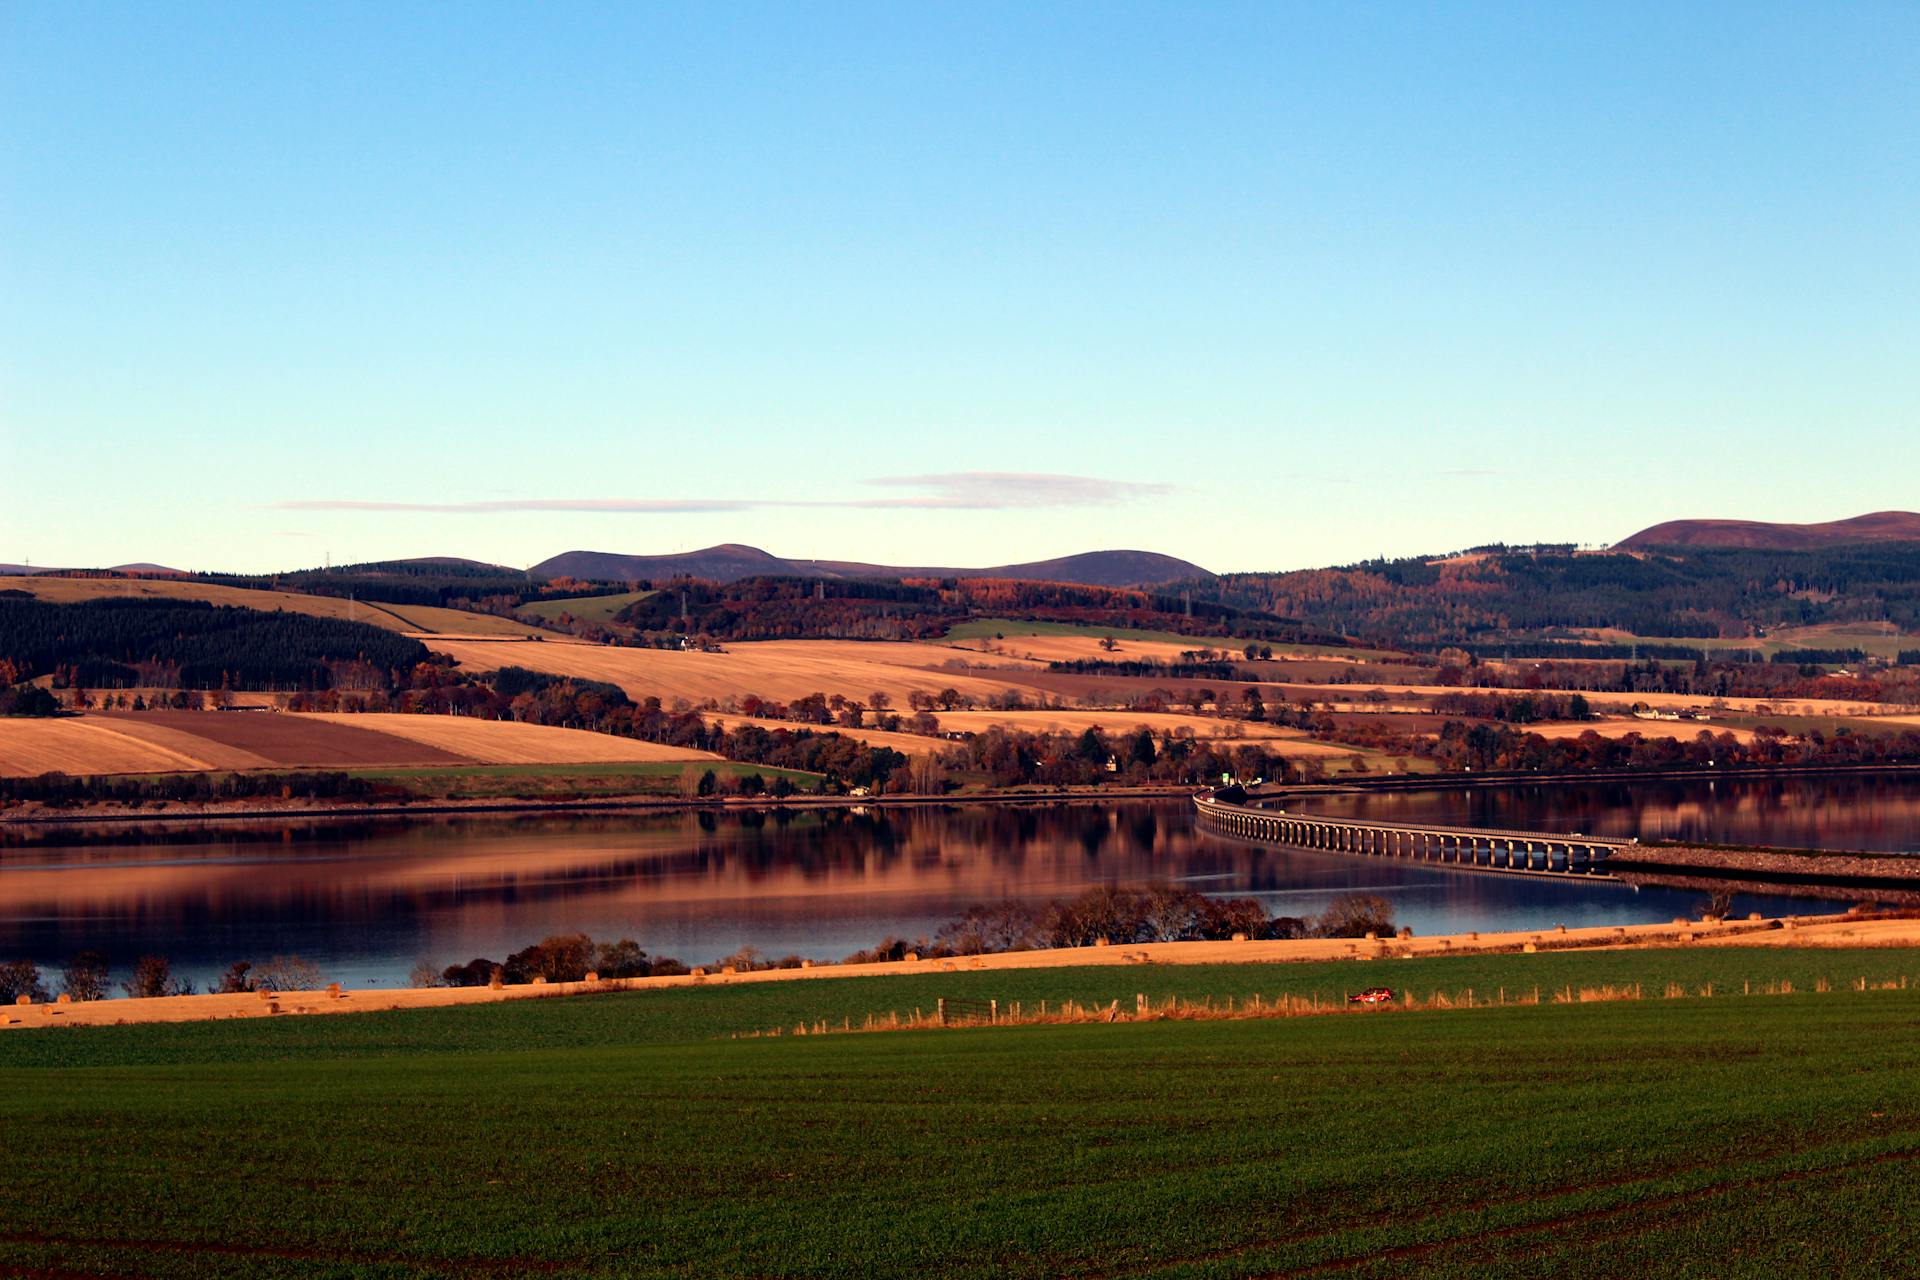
(1487, 849)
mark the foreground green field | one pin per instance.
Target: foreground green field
(626, 1136)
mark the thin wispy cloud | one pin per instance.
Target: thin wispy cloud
(948, 491)
(644, 506)
(1002, 490)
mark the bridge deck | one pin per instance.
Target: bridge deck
(1480, 848)
(1486, 833)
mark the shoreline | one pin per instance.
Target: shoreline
(256, 810)
(1838, 931)
(240, 811)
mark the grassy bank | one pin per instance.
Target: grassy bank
(626, 1135)
(569, 781)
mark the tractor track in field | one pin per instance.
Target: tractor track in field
(469, 1266)
(1517, 1230)
(1504, 1202)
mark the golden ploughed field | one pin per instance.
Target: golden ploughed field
(1292, 741)
(782, 670)
(1289, 741)
(1349, 693)
(195, 741)
(1079, 648)
(421, 620)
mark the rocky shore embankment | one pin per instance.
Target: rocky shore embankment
(1797, 865)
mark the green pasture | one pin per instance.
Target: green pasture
(1800, 725)
(586, 608)
(629, 1135)
(990, 628)
(1876, 639)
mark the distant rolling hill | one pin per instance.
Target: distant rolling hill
(1880, 526)
(454, 562)
(730, 562)
(25, 570)
(57, 589)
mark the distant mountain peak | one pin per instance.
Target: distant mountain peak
(1761, 535)
(731, 561)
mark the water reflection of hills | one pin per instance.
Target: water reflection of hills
(523, 876)
(366, 898)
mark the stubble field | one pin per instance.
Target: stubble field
(194, 741)
(779, 669)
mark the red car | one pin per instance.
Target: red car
(1373, 995)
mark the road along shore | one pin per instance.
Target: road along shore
(29, 816)
(1792, 931)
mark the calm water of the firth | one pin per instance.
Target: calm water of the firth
(366, 900)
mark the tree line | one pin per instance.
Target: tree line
(1004, 756)
(122, 643)
(774, 607)
(1125, 916)
(1497, 593)
(436, 583)
(1480, 748)
(66, 790)
(87, 976)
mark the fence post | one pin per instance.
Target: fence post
(993, 1011)
(941, 1011)
(1140, 1004)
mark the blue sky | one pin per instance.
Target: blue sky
(1262, 286)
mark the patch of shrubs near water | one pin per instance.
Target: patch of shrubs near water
(566, 957)
(1104, 915)
(88, 976)
(60, 790)
(1120, 917)
(1100, 916)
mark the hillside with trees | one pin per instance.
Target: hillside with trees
(1503, 593)
(731, 561)
(797, 608)
(121, 643)
(439, 583)
(1879, 526)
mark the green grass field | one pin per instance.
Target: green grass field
(586, 608)
(1873, 638)
(1828, 725)
(988, 628)
(626, 1136)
